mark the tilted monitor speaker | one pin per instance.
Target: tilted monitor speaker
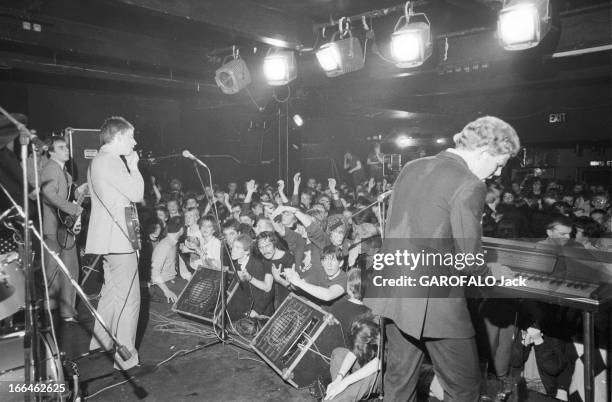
(298, 340)
(200, 297)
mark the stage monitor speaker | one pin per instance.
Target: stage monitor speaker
(200, 297)
(298, 340)
(84, 145)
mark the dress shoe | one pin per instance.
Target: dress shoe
(136, 371)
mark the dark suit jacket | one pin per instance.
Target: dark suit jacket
(54, 185)
(437, 202)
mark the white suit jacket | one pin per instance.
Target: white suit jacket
(110, 182)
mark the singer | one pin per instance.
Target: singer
(115, 183)
(440, 197)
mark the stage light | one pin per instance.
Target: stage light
(411, 44)
(441, 141)
(233, 76)
(522, 24)
(297, 119)
(280, 68)
(403, 141)
(340, 56)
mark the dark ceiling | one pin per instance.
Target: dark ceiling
(172, 48)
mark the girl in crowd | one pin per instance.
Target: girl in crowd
(354, 372)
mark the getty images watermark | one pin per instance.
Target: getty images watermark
(404, 268)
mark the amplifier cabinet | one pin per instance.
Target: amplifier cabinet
(298, 340)
(84, 144)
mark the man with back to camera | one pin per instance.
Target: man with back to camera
(440, 198)
(115, 183)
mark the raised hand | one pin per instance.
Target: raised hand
(331, 183)
(281, 185)
(251, 187)
(132, 160)
(277, 270)
(291, 275)
(297, 179)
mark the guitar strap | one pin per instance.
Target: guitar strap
(67, 183)
(106, 209)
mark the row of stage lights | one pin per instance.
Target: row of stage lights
(521, 24)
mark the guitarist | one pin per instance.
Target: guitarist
(115, 184)
(55, 184)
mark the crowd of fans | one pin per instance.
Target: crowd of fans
(319, 240)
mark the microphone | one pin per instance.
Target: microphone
(189, 155)
(384, 195)
(5, 213)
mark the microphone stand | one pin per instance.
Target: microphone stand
(30, 340)
(223, 337)
(223, 313)
(380, 199)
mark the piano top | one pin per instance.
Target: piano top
(572, 266)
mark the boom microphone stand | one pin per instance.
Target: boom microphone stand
(223, 314)
(380, 202)
(196, 161)
(30, 340)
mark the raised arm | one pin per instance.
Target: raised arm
(281, 192)
(295, 198)
(322, 293)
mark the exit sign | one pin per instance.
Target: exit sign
(554, 118)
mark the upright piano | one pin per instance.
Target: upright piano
(568, 276)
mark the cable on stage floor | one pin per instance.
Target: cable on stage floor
(165, 324)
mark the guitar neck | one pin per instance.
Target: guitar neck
(81, 198)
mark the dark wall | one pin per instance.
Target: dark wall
(163, 125)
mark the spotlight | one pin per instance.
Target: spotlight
(523, 23)
(441, 141)
(411, 44)
(233, 76)
(280, 68)
(341, 56)
(297, 119)
(404, 141)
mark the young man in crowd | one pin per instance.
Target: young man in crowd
(253, 272)
(329, 288)
(274, 260)
(349, 309)
(166, 285)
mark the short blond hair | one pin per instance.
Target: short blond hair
(497, 135)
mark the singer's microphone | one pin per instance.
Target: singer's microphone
(189, 155)
(384, 195)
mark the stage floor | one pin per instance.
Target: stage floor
(216, 373)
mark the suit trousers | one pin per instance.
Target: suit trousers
(455, 363)
(500, 345)
(119, 306)
(62, 295)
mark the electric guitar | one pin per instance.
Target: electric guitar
(133, 226)
(72, 223)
